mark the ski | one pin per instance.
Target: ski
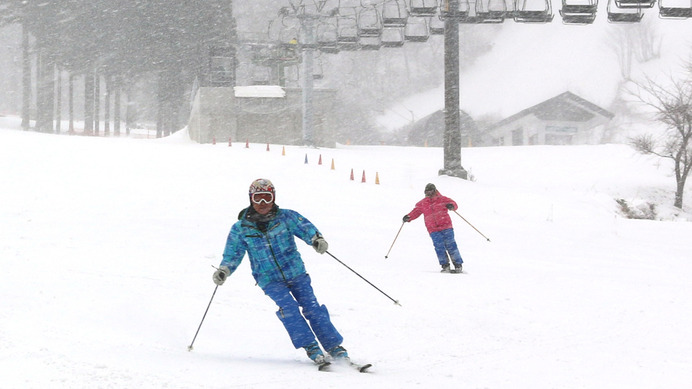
(324, 366)
(360, 368)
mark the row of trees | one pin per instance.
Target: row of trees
(117, 42)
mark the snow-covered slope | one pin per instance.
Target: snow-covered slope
(106, 248)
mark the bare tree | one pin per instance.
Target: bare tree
(639, 42)
(672, 106)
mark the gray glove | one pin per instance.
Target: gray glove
(319, 244)
(221, 274)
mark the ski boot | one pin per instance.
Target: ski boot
(315, 353)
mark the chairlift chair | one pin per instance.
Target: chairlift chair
(491, 11)
(370, 42)
(675, 9)
(635, 3)
(578, 11)
(416, 30)
(436, 25)
(369, 22)
(394, 13)
(623, 15)
(393, 37)
(532, 11)
(422, 7)
(347, 30)
(461, 14)
(326, 32)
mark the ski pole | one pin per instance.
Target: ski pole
(397, 235)
(189, 348)
(488, 239)
(371, 284)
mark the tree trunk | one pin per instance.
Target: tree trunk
(26, 79)
(70, 103)
(58, 102)
(116, 108)
(88, 103)
(45, 90)
(97, 103)
(107, 108)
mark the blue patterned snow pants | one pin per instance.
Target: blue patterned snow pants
(297, 293)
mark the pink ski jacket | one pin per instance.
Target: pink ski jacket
(435, 213)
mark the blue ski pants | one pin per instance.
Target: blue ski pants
(290, 296)
(444, 243)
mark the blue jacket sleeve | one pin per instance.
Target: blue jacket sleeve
(301, 227)
(235, 249)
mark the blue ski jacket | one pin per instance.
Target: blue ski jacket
(271, 246)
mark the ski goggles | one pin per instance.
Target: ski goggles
(262, 197)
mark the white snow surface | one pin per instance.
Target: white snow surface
(107, 247)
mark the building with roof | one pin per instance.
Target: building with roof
(565, 119)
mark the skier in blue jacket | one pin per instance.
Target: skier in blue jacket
(266, 232)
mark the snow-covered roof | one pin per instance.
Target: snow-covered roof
(259, 91)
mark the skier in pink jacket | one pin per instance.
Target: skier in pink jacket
(434, 208)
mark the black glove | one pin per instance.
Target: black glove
(221, 274)
(450, 206)
(406, 218)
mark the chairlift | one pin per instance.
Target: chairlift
(326, 35)
(635, 3)
(289, 30)
(436, 25)
(416, 29)
(394, 13)
(491, 11)
(370, 42)
(392, 37)
(461, 14)
(422, 7)
(533, 11)
(369, 22)
(347, 30)
(578, 11)
(675, 9)
(623, 15)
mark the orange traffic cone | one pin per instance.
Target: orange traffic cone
(213, 140)
(332, 163)
(319, 162)
(377, 179)
(363, 179)
(351, 174)
(267, 146)
(247, 144)
(229, 142)
(306, 158)
(283, 150)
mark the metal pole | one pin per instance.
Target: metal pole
(189, 348)
(308, 25)
(452, 135)
(488, 239)
(397, 235)
(356, 273)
